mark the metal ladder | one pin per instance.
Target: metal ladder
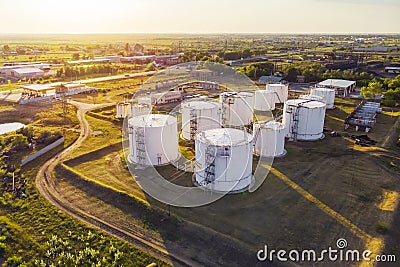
(256, 135)
(193, 126)
(226, 107)
(295, 125)
(209, 172)
(140, 146)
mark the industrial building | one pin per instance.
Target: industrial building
(167, 97)
(363, 116)
(27, 73)
(138, 59)
(342, 87)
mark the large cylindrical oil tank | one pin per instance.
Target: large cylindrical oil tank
(328, 95)
(304, 119)
(224, 159)
(153, 139)
(265, 100)
(269, 139)
(237, 108)
(281, 89)
(199, 115)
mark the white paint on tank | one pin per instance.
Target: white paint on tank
(122, 109)
(265, 100)
(139, 109)
(153, 139)
(207, 115)
(269, 139)
(237, 108)
(281, 89)
(312, 97)
(304, 119)
(328, 95)
(233, 158)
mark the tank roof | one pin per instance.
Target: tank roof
(225, 137)
(272, 125)
(200, 104)
(152, 120)
(305, 103)
(323, 89)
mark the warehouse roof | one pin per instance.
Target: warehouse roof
(337, 83)
(28, 70)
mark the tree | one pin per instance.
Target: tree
(138, 48)
(19, 142)
(127, 48)
(392, 94)
(373, 89)
(6, 49)
(291, 75)
(75, 56)
(395, 83)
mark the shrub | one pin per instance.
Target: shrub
(381, 227)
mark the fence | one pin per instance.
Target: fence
(42, 151)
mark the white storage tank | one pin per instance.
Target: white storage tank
(145, 100)
(153, 139)
(224, 159)
(269, 139)
(304, 119)
(237, 108)
(328, 95)
(265, 100)
(312, 97)
(199, 115)
(139, 109)
(281, 89)
(122, 109)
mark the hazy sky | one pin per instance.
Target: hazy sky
(200, 16)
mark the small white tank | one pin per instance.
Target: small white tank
(265, 100)
(145, 100)
(122, 109)
(237, 108)
(153, 139)
(328, 95)
(269, 139)
(199, 115)
(224, 159)
(282, 91)
(139, 109)
(304, 119)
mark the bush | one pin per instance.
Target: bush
(19, 142)
(381, 227)
(388, 103)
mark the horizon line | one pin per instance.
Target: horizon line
(208, 33)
